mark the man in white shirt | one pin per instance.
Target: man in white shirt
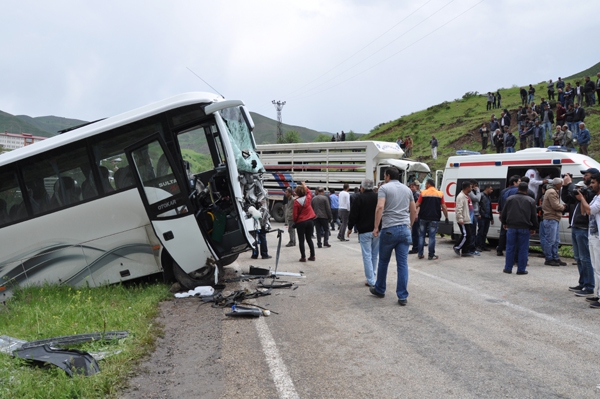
(344, 211)
(535, 180)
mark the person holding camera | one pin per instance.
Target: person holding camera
(579, 224)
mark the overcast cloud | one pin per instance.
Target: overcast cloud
(89, 60)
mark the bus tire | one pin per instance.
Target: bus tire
(278, 212)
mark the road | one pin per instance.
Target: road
(468, 331)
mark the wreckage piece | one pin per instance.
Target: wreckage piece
(76, 339)
(243, 311)
(71, 361)
(9, 344)
(273, 284)
(289, 274)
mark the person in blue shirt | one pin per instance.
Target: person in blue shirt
(583, 138)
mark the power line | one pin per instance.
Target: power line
(396, 53)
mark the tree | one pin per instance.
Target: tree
(321, 138)
(291, 136)
(351, 136)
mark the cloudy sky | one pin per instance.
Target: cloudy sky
(339, 64)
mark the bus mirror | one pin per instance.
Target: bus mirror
(247, 118)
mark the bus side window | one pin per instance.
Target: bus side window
(12, 207)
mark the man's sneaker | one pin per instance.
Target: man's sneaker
(476, 253)
(374, 292)
(595, 305)
(584, 293)
(592, 299)
(576, 288)
(457, 251)
(468, 255)
(551, 262)
(402, 302)
(560, 262)
(413, 251)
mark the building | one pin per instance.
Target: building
(12, 141)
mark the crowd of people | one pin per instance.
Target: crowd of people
(557, 121)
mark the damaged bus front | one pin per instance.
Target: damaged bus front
(174, 186)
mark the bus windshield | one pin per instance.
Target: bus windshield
(241, 140)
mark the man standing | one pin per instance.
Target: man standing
(547, 122)
(289, 216)
(463, 219)
(334, 202)
(510, 142)
(578, 117)
(320, 204)
(584, 139)
(550, 90)
(430, 206)
(523, 94)
(475, 197)
(511, 189)
(588, 90)
(598, 88)
(579, 224)
(593, 210)
(362, 216)
(519, 218)
(396, 212)
(414, 187)
(553, 211)
(485, 218)
(344, 211)
(560, 114)
(434, 145)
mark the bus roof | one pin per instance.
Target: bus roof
(384, 146)
(110, 123)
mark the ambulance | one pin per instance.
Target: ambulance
(496, 169)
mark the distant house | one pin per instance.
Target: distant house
(12, 141)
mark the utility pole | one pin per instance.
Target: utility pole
(279, 106)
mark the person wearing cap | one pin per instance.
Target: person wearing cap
(553, 211)
(579, 224)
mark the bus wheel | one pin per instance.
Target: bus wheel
(278, 212)
(188, 282)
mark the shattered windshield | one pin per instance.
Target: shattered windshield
(241, 140)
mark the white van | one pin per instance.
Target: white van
(496, 169)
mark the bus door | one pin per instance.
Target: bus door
(165, 197)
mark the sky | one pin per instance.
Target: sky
(338, 64)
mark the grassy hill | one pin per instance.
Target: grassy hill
(456, 124)
(45, 126)
(265, 131)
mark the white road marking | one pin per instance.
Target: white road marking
(279, 373)
(500, 301)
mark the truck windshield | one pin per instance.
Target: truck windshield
(241, 140)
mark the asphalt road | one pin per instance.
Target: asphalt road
(468, 331)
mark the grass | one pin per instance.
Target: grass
(49, 311)
(456, 124)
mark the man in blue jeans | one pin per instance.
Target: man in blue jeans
(430, 205)
(396, 212)
(519, 216)
(362, 217)
(579, 224)
(553, 211)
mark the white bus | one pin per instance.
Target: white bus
(164, 188)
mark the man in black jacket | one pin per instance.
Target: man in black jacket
(320, 204)
(579, 231)
(519, 217)
(578, 117)
(362, 215)
(588, 90)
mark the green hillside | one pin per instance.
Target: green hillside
(591, 72)
(265, 131)
(50, 124)
(456, 124)
(11, 124)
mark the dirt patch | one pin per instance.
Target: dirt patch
(187, 360)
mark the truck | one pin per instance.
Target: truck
(496, 169)
(330, 165)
